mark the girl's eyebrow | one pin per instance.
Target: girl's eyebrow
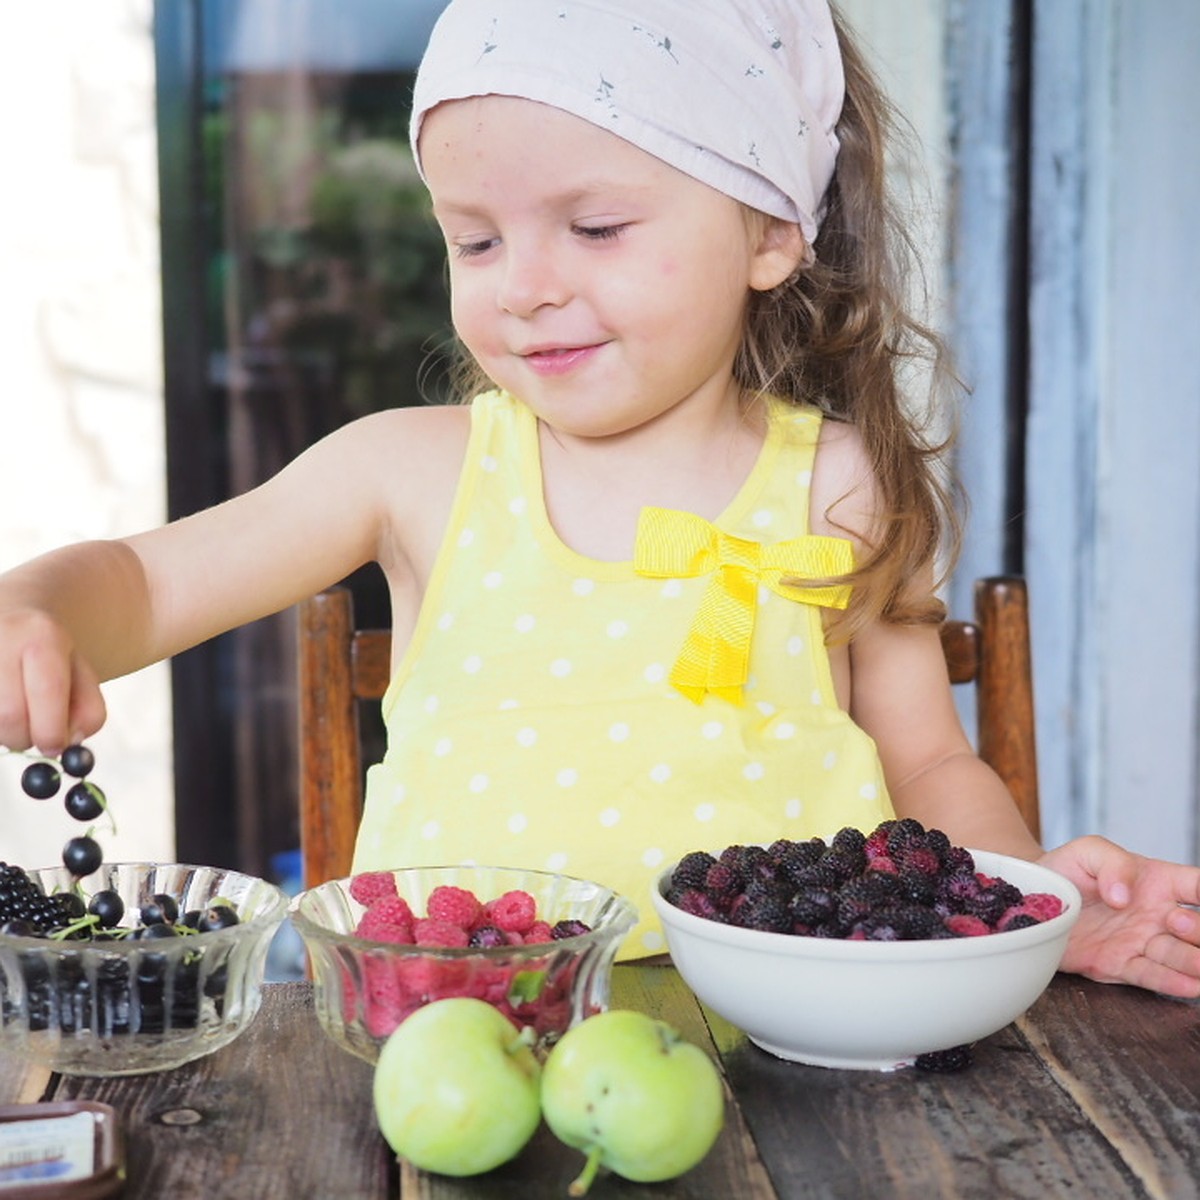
(581, 193)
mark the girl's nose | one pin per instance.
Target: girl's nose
(532, 279)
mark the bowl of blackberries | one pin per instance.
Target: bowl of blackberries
(125, 968)
(536, 945)
(868, 951)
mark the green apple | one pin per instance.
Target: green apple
(632, 1093)
(456, 1088)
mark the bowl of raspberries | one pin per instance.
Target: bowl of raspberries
(870, 950)
(132, 967)
(537, 946)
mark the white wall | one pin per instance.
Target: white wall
(81, 409)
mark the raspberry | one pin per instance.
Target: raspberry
(963, 925)
(391, 914)
(384, 931)
(455, 905)
(514, 912)
(431, 932)
(1042, 906)
(539, 931)
(373, 885)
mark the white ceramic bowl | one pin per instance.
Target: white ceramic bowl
(871, 1005)
(364, 988)
(131, 1006)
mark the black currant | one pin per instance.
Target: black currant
(160, 910)
(160, 930)
(219, 916)
(108, 906)
(70, 905)
(81, 856)
(84, 801)
(40, 780)
(18, 928)
(77, 761)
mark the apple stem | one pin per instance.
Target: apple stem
(583, 1181)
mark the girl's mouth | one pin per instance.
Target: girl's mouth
(559, 360)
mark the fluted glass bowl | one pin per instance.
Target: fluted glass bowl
(871, 1005)
(129, 1006)
(364, 989)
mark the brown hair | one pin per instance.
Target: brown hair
(838, 334)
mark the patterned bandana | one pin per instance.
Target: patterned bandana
(743, 95)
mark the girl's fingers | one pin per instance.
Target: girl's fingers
(47, 680)
(87, 710)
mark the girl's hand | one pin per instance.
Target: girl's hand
(49, 696)
(1132, 929)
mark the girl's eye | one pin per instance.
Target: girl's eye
(473, 249)
(600, 233)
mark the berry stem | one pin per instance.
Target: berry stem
(583, 1181)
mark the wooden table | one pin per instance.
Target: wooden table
(1094, 1093)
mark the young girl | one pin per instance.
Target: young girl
(668, 581)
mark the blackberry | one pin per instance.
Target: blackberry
(722, 883)
(691, 869)
(487, 937)
(799, 855)
(843, 864)
(956, 1058)
(849, 841)
(812, 905)
(767, 912)
(1020, 921)
(569, 928)
(916, 886)
(698, 903)
(22, 899)
(905, 833)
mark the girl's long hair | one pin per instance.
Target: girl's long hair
(839, 334)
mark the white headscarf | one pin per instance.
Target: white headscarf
(740, 94)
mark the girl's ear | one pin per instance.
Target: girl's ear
(780, 251)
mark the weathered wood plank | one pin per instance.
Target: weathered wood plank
(1130, 1062)
(281, 1113)
(1002, 1127)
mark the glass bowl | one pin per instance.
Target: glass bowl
(364, 989)
(871, 1005)
(130, 1006)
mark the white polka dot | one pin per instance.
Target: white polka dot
(466, 537)
(767, 710)
(655, 673)
(556, 861)
(492, 580)
(442, 747)
(868, 791)
(583, 587)
(652, 857)
(671, 589)
(506, 705)
(830, 760)
(567, 777)
(472, 663)
(803, 479)
(793, 808)
(704, 812)
(764, 594)
(445, 620)
(398, 793)
(488, 462)
(660, 773)
(609, 817)
(527, 736)
(816, 696)
(762, 518)
(524, 623)
(430, 830)
(517, 506)
(431, 704)
(795, 645)
(753, 771)
(618, 732)
(517, 823)
(617, 629)
(560, 667)
(653, 940)
(784, 730)
(479, 783)
(712, 730)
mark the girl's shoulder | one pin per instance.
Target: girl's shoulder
(844, 500)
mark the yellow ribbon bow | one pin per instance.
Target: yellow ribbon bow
(716, 653)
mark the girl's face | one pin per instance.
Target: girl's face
(601, 286)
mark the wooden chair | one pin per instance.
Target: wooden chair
(340, 666)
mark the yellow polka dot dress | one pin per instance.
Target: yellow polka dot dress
(537, 718)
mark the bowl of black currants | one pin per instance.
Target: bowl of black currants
(168, 969)
(124, 968)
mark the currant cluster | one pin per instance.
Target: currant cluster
(83, 800)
